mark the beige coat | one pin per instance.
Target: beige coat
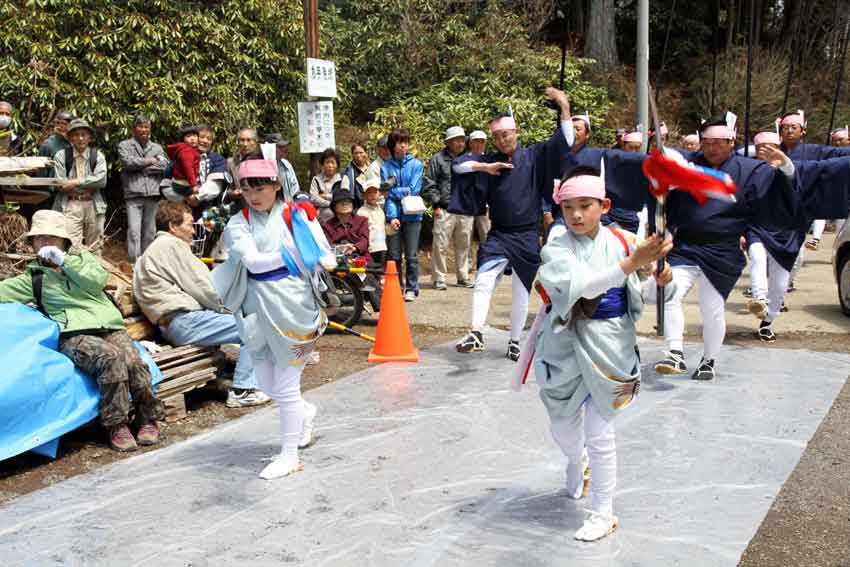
(168, 278)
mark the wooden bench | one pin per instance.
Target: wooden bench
(184, 369)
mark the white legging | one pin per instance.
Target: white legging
(488, 277)
(587, 427)
(283, 385)
(817, 228)
(798, 263)
(768, 279)
(711, 305)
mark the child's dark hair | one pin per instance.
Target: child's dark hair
(581, 170)
(186, 130)
(397, 136)
(328, 154)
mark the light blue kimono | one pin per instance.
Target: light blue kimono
(280, 319)
(596, 357)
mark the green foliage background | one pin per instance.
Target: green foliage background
(234, 62)
(228, 62)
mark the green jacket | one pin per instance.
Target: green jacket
(73, 297)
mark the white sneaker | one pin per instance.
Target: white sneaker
(307, 432)
(596, 526)
(281, 466)
(246, 399)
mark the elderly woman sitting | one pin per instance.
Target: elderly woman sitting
(68, 287)
(349, 234)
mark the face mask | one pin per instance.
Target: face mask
(5, 121)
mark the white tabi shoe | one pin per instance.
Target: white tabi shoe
(281, 466)
(596, 526)
(307, 432)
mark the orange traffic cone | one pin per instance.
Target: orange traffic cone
(393, 342)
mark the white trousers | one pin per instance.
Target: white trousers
(768, 279)
(817, 228)
(711, 305)
(488, 277)
(587, 427)
(457, 230)
(283, 385)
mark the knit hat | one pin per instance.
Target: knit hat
(48, 223)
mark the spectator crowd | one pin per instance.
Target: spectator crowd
(177, 199)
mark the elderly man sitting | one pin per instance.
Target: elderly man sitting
(173, 289)
(68, 287)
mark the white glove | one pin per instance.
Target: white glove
(52, 254)
(151, 347)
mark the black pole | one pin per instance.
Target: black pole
(792, 58)
(750, 37)
(664, 52)
(563, 50)
(714, 54)
(838, 80)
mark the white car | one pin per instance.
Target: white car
(841, 265)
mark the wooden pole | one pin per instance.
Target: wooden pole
(311, 49)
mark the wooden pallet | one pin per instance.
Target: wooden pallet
(185, 368)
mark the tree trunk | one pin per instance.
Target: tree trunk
(600, 41)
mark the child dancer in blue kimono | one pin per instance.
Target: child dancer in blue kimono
(586, 360)
(269, 282)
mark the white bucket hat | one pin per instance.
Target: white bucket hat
(454, 132)
(48, 223)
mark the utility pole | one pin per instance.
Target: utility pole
(642, 65)
(311, 49)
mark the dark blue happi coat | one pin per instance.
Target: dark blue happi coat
(822, 184)
(707, 235)
(625, 183)
(516, 199)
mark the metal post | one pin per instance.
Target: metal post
(642, 64)
(311, 49)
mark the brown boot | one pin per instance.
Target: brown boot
(121, 439)
(148, 434)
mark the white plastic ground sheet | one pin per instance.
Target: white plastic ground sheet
(439, 464)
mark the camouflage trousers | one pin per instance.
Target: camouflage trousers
(112, 360)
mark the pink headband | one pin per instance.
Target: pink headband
(579, 186)
(633, 137)
(793, 119)
(691, 139)
(767, 138)
(503, 123)
(719, 133)
(257, 168)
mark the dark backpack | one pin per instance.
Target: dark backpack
(69, 160)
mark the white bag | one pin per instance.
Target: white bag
(412, 205)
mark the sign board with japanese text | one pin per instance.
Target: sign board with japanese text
(316, 126)
(321, 78)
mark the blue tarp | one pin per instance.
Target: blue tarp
(42, 394)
